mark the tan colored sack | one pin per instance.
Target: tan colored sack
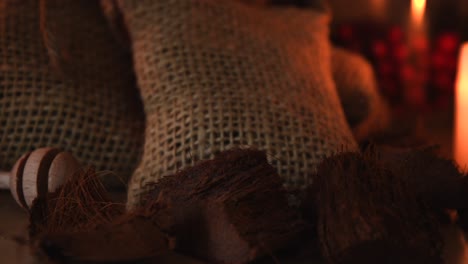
(365, 109)
(65, 83)
(214, 75)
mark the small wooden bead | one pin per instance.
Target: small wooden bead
(39, 172)
(4, 180)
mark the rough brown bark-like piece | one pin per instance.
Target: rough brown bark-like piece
(231, 209)
(363, 207)
(436, 180)
(80, 222)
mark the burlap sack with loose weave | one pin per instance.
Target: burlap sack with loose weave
(364, 108)
(65, 83)
(214, 75)
(366, 111)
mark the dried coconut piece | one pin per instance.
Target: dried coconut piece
(362, 205)
(80, 222)
(232, 209)
(435, 179)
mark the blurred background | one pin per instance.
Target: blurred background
(415, 58)
(414, 47)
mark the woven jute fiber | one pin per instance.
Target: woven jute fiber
(365, 109)
(64, 82)
(214, 75)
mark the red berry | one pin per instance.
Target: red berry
(448, 42)
(395, 35)
(407, 73)
(400, 53)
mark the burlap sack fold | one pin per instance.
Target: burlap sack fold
(214, 75)
(64, 82)
(366, 111)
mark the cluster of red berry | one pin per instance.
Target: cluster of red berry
(412, 70)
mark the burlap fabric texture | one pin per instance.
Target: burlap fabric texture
(65, 83)
(214, 75)
(364, 108)
(366, 111)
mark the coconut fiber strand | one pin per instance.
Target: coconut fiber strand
(232, 209)
(377, 207)
(367, 212)
(79, 222)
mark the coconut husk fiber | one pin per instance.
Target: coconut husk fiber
(81, 203)
(428, 185)
(231, 209)
(65, 82)
(435, 179)
(438, 181)
(365, 207)
(381, 206)
(79, 222)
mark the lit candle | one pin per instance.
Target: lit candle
(414, 87)
(461, 110)
(417, 11)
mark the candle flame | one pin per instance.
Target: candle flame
(462, 74)
(417, 10)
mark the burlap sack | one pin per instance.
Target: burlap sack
(65, 83)
(365, 109)
(218, 74)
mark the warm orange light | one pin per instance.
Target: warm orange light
(417, 10)
(461, 110)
